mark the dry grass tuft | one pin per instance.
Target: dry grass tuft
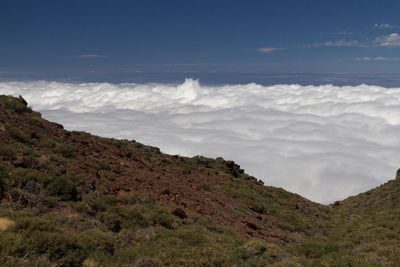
(5, 223)
(90, 263)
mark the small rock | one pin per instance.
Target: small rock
(165, 191)
(34, 135)
(178, 212)
(252, 225)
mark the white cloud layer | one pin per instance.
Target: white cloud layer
(323, 142)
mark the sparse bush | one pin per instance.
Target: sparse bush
(21, 176)
(102, 166)
(65, 150)
(129, 199)
(63, 187)
(14, 105)
(165, 220)
(205, 187)
(41, 238)
(314, 249)
(134, 219)
(99, 202)
(12, 151)
(17, 134)
(111, 219)
(145, 261)
(95, 239)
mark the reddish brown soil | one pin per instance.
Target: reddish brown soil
(166, 182)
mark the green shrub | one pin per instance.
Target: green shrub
(47, 142)
(95, 239)
(204, 256)
(7, 153)
(63, 187)
(50, 202)
(4, 178)
(65, 150)
(57, 246)
(20, 177)
(205, 187)
(14, 105)
(314, 249)
(129, 199)
(17, 134)
(41, 237)
(111, 219)
(11, 151)
(165, 220)
(134, 219)
(99, 202)
(102, 166)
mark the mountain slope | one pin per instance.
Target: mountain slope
(70, 198)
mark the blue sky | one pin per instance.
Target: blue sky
(69, 37)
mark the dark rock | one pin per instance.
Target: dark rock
(252, 225)
(398, 174)
(165, 191)
(59, 126)
(230, 164)
(233, 168)
(22, 100)
(178, 212)
(34, 135)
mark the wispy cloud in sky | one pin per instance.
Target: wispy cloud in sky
(383, 26)
(91, 56)
(345, 33)
(376, 58)
(388, 40)
(270, 49)
(336, 43)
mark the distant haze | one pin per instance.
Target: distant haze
(323, 142)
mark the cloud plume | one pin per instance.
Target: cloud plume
(323, 142)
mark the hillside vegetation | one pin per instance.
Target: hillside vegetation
(72, 199)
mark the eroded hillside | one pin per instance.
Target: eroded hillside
(71, 198)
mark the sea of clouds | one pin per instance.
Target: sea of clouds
(323, 142)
